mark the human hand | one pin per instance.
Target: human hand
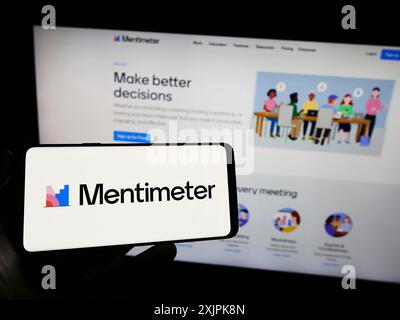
(79, 273)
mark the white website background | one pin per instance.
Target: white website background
(75, 85)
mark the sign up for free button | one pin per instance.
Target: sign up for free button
(387, 54)
(139, 137)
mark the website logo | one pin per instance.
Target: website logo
(134, 39)
(60, 199)
(100, 195)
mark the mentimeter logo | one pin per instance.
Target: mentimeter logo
(140, 192)
(60, 199)
(135, 39)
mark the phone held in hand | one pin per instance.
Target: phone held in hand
(81, 196)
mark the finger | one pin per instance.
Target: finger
(84, 262)
(152, 257)
(100, 259)
(104, 255)
(113, 261)
(165, 251)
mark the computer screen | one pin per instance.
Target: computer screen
(314, 127)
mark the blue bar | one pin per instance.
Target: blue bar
(63, 196)
(387, 54)
(127, 136)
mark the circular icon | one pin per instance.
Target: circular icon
(358, 92)
(322, 86)
(286, 220)
(243, 215)
(338, 224)
(281, 86)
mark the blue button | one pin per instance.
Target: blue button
(387, 54)
(127, 136)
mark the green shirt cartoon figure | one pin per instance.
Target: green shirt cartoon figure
(346, 111)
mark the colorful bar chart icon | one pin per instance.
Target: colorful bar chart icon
(60, 199)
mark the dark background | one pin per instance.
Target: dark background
(318, 21)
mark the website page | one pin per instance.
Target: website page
(314, 127)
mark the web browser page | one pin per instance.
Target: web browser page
(320, 187)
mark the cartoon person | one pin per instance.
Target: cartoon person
(293, 221)
(278, 224)
(269, 106)
(330, 229)
(336, 222)
(310, 108)
(295, 218)
(243, 216)
(346, 111)
(345, 227)
(330, 105)
(294, 99)
(372, 107)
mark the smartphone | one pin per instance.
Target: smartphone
(81, 196)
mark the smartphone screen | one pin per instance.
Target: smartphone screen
(79, 196)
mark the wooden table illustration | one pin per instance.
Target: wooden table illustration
(362, 124)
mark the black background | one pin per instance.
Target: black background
(310, 21)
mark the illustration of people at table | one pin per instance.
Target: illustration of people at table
(322, 117)
(345, 111)
(326, 132)
(270, 105)
(294, 99)
(372, 107)
(310, 108)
